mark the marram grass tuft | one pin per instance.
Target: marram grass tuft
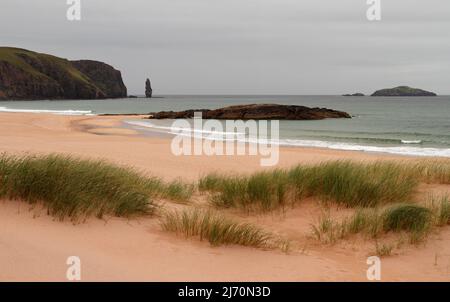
(78, 188)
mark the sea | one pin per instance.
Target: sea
(418, 126)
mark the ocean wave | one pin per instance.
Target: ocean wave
(227, 136)
(372, 140)
(175, 130)
(412, 151)
(411, 142)
(367, 133)
(58, 112)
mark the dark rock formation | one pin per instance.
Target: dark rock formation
(104, 76)
(27, 75)
(403, 91)
(354, 94)
(257, 112)
(148, 89)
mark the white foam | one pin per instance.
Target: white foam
(226, 136)
(411, 142)
(414, 151)
(175, 130)
(59, 112)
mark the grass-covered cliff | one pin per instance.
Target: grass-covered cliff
(27, 75)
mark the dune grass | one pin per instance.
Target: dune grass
(216, 229)
(431, 170)
(264, 190)
(440, 205)
(175, 190)
(351, 184)
(407, 217)
(355, 184)
(327, 230)
(383, 249)
(77, 188)
(415, 220)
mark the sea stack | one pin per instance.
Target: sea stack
(148, 89)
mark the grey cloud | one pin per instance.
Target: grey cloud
(245, 46)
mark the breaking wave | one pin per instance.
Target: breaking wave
(59, 112)
(227, 136)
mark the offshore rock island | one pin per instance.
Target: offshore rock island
(256, 112)
(403, 91)
(28, 75)
(354, 94)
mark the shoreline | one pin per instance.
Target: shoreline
(406, 149)
(390, 135)
(151, 132)
(104, 137)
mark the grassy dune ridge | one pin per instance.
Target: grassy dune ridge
(78, 188)
(75, 187)
(380, 192)
(351, 184)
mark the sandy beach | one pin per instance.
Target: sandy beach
(103, 137)
(34, 246)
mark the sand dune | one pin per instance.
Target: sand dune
(33, 246)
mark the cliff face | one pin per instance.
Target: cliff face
(257, 112)
(26, 75)
(105, 77)
(17, 84)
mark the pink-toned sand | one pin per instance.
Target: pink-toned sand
(33, 246)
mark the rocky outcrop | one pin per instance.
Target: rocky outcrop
(27, 75)
(403, 91)
(354, 94)
(256, 112)
(148, 89)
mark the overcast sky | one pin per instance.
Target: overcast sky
(245, 46)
